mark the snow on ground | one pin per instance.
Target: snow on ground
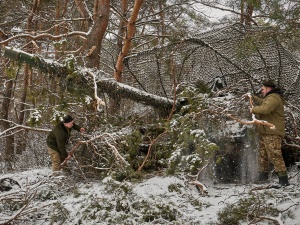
(157, 200)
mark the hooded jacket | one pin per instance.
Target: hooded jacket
(59, 138)
(270, 109)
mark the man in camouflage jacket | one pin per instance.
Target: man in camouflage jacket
(270, 108)
(57, 142)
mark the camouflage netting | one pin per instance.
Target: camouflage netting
(226, 55)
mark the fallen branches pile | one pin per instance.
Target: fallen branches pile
(96, 143)
(20, 205)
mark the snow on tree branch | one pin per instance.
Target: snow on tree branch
(107, 85)
(20, 126)
(46, 35)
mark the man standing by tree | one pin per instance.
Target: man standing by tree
(270, 108)
(57, 142)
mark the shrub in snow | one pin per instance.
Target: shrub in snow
(254, 208)
(59, 214)
(192, 149)
(34, 118)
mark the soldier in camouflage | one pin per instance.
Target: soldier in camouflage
(270, 108)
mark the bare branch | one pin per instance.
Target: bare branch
(149, 150)
(49, 36)
(115, 151)
(21, 126)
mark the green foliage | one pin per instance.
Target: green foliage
(202, 87)
(193, 97)
(255, 3)
(135, 147)
(131, 143)
(76, 192)
(57, 116)
(34, 118)
(192, 148)
(59, 215)
(70, 65)
(46, 195)
(7, 204)
(126, 174)
(254, 207)
(165, 211)
(60, 44)
(11, 72)
(111, 185)
(175, 188)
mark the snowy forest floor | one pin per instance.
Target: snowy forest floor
(156, 200)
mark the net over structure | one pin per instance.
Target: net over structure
(227, 55)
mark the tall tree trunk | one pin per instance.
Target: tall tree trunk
(122, 24)
(9, 140)
(8, 151)
(81, 7)
(162, 19)
(115, 101)
(242, 17)
(249, 14)
(127, 40)
(22, 137)
(95, 37)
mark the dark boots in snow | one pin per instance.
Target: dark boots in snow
(283, 178)
(262, 178)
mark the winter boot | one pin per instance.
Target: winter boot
(262, 178)
(283, 178)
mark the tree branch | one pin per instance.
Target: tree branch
(21, 126)
(104, 85)
(40, 36)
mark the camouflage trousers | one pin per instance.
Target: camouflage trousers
(270, 152)
(55, 159)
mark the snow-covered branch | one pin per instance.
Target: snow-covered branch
(21, 127)
(253, 121)
(45, 35)
(98, 100)
(104, 85)
(106, 140)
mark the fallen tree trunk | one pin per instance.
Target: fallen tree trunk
(104, 85)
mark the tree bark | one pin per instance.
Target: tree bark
(122, 25)
(21, 137)
(110, 86)
(114, 104)
(115, 99)
(9, 149)
(127, 40)
(81, 7)
(95, 37)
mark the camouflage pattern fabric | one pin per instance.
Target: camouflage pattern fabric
(55, 159)
(270, 152)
